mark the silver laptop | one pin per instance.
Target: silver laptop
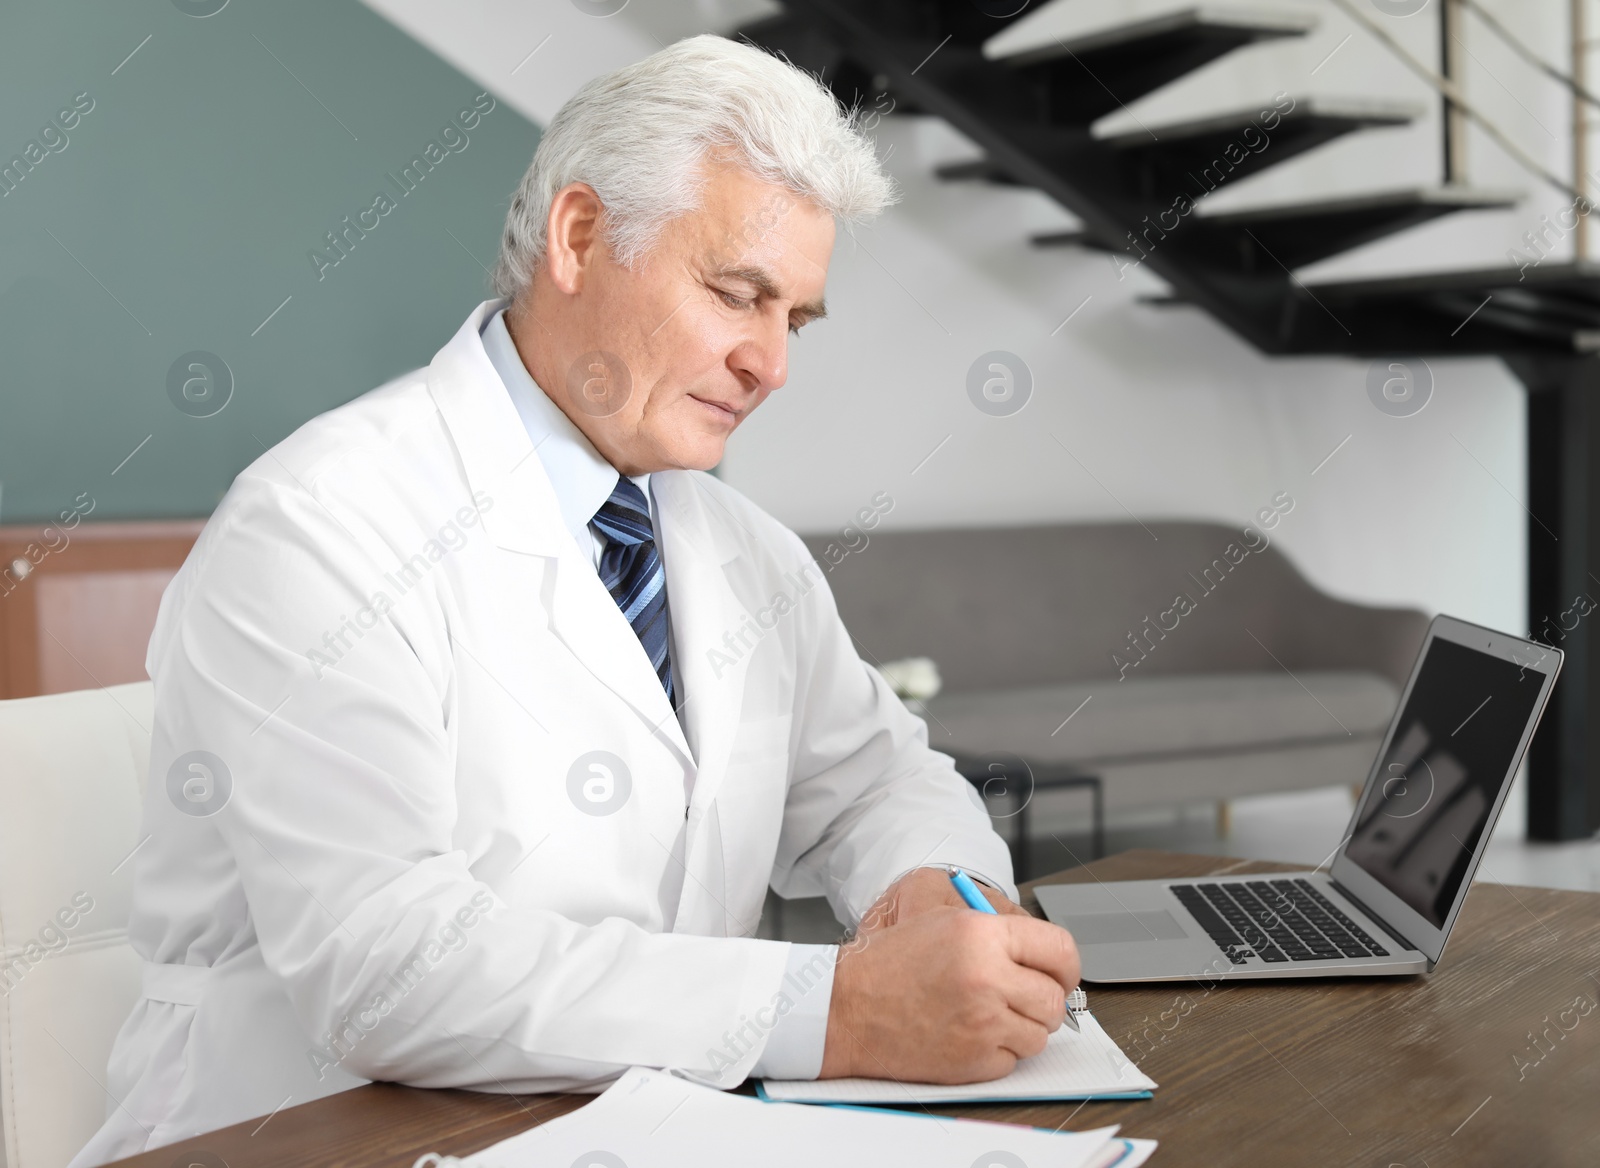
(1386, 903)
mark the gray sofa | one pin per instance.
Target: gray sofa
(1259, 683)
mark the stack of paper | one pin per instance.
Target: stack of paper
(1075, 1064)
(648, 1119)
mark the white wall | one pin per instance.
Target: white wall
(1163, 411)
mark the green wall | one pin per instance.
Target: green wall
(181, 211)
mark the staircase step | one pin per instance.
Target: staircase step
(1551, 307)
(974, 169)
(1076, 80)
(969, 22)
(1078, 237)
(1195, 157)
(1293, 235)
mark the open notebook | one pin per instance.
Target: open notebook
(1075, 1064)
(647, 1119)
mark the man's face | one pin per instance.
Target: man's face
(700, 331)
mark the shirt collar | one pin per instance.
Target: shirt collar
(582, 478)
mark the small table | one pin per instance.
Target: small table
(1017, 781)
(1445, 1070)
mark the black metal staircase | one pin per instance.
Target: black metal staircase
(1139, 196)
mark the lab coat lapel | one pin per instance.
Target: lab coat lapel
(524, 517)
(698, 550)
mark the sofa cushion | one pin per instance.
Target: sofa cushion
(1155, 717)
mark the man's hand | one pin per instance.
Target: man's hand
(921, 889)
(946, 995)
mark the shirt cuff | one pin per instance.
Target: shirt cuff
(795, 1044)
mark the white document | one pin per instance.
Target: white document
(1075, 1064)
(648, 1119)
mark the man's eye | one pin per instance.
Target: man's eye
(733, 301)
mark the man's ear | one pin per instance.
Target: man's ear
(572, 240)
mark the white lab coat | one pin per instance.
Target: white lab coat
(401, 658)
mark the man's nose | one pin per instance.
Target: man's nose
(764, 357)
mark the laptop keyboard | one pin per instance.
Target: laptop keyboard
(1275, 920)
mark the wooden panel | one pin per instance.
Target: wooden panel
(94, 627)
(77, 605)
(1450, 1069)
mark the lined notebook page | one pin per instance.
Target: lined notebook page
(1071, 1066)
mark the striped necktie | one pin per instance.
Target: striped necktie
(630, 568)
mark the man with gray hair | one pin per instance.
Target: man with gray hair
(484, 717)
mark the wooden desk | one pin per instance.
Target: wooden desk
(1416, 1072)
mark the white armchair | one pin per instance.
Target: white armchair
(72, 773)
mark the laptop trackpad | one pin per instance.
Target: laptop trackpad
(1102, 928)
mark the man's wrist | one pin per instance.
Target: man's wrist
(839, 1051)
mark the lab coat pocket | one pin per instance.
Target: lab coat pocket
(750, 805)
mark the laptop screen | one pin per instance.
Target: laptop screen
(1425, 809)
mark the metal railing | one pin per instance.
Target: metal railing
(1459, 108)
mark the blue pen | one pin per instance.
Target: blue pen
(976, 899)
(969, 891)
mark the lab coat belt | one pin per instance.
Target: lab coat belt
(182, 984)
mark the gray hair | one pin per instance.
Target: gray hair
(639, 135)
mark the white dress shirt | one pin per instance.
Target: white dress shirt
(583, 480)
